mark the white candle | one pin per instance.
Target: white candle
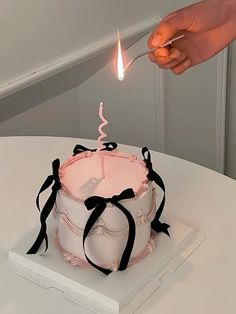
(100, 138)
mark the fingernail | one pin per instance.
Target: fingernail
(157, 40)
(161, 52)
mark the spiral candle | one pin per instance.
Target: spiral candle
(101, 137)
(100, 128)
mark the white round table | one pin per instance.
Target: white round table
(202, 198)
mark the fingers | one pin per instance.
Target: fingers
(169, 27)
(161, 52)
(167, 59)
(182, 66)
(173, 59)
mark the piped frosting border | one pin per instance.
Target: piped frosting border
(144, 185)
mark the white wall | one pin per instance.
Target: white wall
(57, 116)
(145, 109)
(130, 106)
(133, 109)
(41, 37)
(191, 114)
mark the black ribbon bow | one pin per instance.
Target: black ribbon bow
(98, 204)
(47, 207)
(153, 176)
(109, 146)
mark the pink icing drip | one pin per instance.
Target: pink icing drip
(78, 261)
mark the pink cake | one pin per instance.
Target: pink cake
(107, 223)
(105, 206)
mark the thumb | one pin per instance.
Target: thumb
(169, 27)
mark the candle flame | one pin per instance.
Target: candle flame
(120, 60)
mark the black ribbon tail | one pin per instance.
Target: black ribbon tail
(43, 230)
(47, 207)
(153, 176)
(96, 213)
(44, 187)
(158, 180)
(131, 237)
(156, 224)
(99, 204)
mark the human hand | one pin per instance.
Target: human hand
(209, 26)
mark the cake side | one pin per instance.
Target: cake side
(96, 228)
(107, 238)
(106, 241)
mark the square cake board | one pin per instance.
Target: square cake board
(120, 292)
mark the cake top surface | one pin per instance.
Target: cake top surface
(81, 175)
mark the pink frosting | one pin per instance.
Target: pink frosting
(80, 175)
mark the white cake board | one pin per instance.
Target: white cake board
(120, 292)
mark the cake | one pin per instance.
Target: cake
(104, 203)
(107, 222)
